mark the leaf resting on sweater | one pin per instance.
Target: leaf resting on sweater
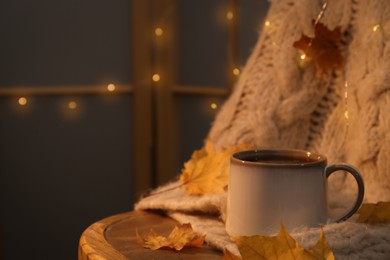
(281, 247)
(207, 172)
(374, 213)
(180, 237)
(323, 49)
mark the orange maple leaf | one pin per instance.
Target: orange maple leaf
(180, 237)
(374, 213)
(207, 172)
(323, 49)
(281, 247)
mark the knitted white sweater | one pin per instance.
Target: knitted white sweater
(279, 102)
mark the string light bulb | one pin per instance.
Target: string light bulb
(236, 71)
(111, 87)
(302, 59)
(156, 77)
(72, 105)
(346, 110)
(158, 31)
(267, 23)
(229, 15)
(375, 27)
(346, 115)
(213, 106)
(22, 101)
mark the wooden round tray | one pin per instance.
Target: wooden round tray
(114, 238)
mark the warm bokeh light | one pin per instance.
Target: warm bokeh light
(156, 77)
(375, 28)
(236, 71)
(111, 87)
(229, 15)
(346, 114)
(213, 106)
(267, 23)
(158, 31)
(22, 101)
(303, 56)
(72, 105)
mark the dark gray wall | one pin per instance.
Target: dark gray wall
(60, 173)
(62, 170)
(45, 42)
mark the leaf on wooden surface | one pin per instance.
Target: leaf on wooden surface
(374, 213)
(281, 247)
(180, 237)
(207, 172)
(323, 49)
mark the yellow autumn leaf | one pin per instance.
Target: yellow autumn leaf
(207, 172)
(281, 247)
(180, 237)
(322, 249)
(374, 213)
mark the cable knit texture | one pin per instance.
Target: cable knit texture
(280, 102)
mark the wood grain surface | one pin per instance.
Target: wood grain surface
(114, 238)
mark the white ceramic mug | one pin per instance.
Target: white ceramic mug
(269, 187)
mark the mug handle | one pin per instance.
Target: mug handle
(359, 180)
